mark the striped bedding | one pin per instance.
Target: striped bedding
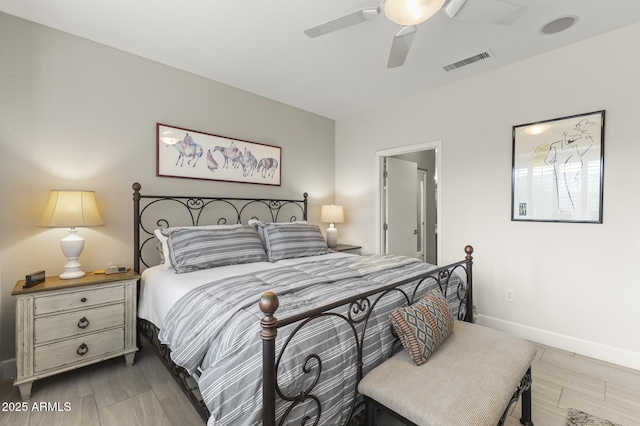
(215, 328)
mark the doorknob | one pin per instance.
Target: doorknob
(415, 232)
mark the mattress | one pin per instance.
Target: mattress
(161, 288)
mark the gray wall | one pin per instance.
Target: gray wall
(75, 114)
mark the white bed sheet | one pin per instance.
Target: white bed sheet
(160, 288)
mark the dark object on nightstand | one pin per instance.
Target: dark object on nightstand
(346, 248)
(33, 279)
(115, 269)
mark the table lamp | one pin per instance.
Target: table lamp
(333, 214)
(71, 209)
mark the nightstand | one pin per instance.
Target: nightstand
(346, 248)
(62, 325)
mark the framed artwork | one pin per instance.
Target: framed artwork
(557, 169)
(185, 153)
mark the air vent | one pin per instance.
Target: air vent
(470, 60)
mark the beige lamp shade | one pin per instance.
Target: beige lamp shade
(70, 209)
(332, 214)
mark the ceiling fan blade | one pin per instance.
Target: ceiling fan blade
(400, 47)
(452, 7)
(345, 21)
(501, 12)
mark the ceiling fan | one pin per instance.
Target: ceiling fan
(409, 13)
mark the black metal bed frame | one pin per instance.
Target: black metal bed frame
(191, 209)
(360, 307)
(195, 206)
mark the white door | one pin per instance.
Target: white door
(400, 207)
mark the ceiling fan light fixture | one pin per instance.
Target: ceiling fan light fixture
(411, 12)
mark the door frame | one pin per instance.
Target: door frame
(422, 207)
(379, 186)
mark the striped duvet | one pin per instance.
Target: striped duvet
(216, 327)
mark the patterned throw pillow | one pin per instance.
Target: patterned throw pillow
(287, 240)
(423, 326)
(192, 249)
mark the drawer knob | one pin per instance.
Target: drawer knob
(84, 299)
(82, 349)
(83, 323)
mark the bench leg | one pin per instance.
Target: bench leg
(526, 402)
(370, 414)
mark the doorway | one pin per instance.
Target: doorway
(421, 236)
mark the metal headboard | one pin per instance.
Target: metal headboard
(151, 212)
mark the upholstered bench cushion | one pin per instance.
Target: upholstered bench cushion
(469, 380)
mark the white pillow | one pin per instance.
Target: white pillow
(165, 240)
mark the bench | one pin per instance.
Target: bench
(471, 379)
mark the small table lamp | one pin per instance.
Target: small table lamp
(69, 209)
(332, 214)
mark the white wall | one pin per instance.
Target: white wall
(576, 285)
(79, 115)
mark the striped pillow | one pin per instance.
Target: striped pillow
(291, 239)
(192, 249)
(164, 248)
(423, 326)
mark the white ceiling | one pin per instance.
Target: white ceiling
(259, 45)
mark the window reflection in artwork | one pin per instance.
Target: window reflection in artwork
(557, 169)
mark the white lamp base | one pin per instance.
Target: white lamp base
(332, 236)
(72, 246)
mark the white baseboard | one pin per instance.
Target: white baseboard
(580, 346)
(8, 368)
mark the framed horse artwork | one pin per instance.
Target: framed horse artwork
(185, 153)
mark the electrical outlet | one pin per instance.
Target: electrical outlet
(509, 295)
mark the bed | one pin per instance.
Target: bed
(269, 326)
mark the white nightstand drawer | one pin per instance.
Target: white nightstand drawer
(78, 299)
(79, 322)
(78, 349)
